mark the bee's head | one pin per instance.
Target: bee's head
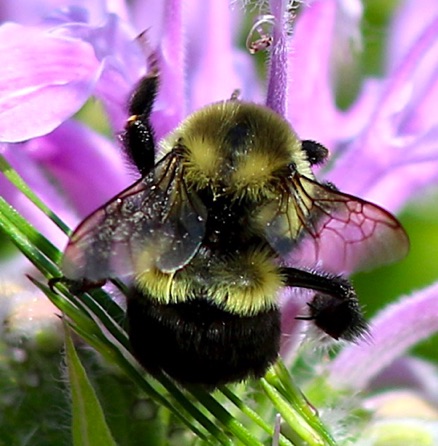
(237, 148)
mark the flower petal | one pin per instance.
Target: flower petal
(410, 373)
(311, 108)
(393, 331)
(212, 60)
(170, 105)
(408, 22)
(88, 167)
(38, 182)
(292, 304)
(38, 69)
(389, 148)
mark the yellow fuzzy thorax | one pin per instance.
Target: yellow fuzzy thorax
(252, 177)
(237, 148)
(243, 284)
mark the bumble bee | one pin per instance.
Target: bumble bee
(228, 215)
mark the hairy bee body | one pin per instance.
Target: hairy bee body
(196, 342)
(216, 319)
(229, 215)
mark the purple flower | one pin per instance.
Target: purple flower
(385, 149)
(71, 56)
(383, 146)
(49, 72)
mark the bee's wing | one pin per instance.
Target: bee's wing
(154, 223)
(316, 225)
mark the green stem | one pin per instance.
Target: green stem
(252, 415)
(281, 380)
(225, 418)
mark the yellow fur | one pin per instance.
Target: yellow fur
(250, 169)
(243, 284)
(247, 284)
(243, 151)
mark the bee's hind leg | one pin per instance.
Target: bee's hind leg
(335, 308)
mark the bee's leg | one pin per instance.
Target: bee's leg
(75, 286)
(138, 137)
(335, 308)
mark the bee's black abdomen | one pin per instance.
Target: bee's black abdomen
(198, 343)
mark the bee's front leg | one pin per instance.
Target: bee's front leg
(138, 137)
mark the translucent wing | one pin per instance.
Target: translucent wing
(154, 223)
(316, 225)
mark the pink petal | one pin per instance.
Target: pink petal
(212, 60)
(90, 168)
(311, 109)
(393, 331)
(44, 79)
(170, 106)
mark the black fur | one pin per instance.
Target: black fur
(316, 152)
(196, 342)
(335, 308)
(138, 138)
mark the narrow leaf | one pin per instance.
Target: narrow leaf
(88, 421)
(22, 186)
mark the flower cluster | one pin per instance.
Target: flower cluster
(61, 59)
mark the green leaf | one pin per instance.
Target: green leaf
(88, 421)
(253, 415)
(21, 185)
(294, 408)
